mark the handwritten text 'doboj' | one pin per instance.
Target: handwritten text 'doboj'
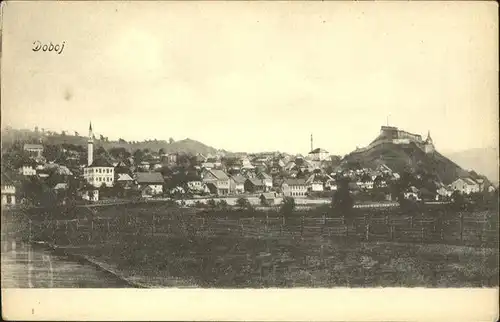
(58, 48)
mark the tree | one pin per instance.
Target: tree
(52, 152)
(161, 151)
(243, 203)
(458, 201)
(121, 153)
(287, 206)
(171, 140)
(263, 201)
(101, 151)
(120, 140)
(211, 203)
(342, 200)
(223, 204)
(138, 156)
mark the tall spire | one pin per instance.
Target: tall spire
(312, 146)
(90, 147)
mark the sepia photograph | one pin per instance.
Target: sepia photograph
(249, 146)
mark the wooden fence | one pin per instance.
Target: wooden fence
(463, 230)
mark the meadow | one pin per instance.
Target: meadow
(164, 246)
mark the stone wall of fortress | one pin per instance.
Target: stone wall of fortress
(387, 141)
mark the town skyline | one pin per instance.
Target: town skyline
(252, 84)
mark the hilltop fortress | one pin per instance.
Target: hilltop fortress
(391, 134)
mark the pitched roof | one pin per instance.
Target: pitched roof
(32, 146)
(124, 177)
(219, 174)
(316, 177)
(61, 186)
(295, 182)
(413, 189)
(256, 182)
(268, 195)
(239, 179)
(264, 175)
(469, 181)
(101, 162)
(318, 150)
(149, 177)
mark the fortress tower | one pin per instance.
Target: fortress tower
(428, 144)
(90, 147)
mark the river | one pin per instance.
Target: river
(25, 266)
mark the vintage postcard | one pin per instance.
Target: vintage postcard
(202, 160)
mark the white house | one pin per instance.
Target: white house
(294, 188)
(443, 192)
(319, 154)
(412, 193)
(8, 193)
(151, 183)
(218, 179)
(99, 172)
(465, 185)
(27, 170)
(238, 184)
(317, 182)
(34, 150)
(267, 180)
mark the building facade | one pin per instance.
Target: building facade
(98, 172)
(34, 150)
(294, 188)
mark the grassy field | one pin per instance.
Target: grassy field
(159, 246)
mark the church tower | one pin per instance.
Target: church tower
(428, 145)
(90, 147)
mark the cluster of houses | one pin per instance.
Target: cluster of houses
(274, 173)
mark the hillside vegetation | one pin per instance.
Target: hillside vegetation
(186, 145)
(407, 158)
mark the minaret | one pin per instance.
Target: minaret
(312, 147)
(90, 147)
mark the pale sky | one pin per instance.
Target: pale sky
(255, 76)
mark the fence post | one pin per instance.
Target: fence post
(302, 226)
(461, 227)
(386, 219)
(153, 226)
(411, 221)
(367, 226)
(392, 231)
(422, 235)
(107, 224)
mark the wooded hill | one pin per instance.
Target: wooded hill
(186, 146)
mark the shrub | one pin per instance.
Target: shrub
(243, 203)
(287, 206)
(222, 204)
(211, 203)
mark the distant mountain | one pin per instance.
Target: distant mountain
(482, 160)
(186, 146)
(400, 157)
